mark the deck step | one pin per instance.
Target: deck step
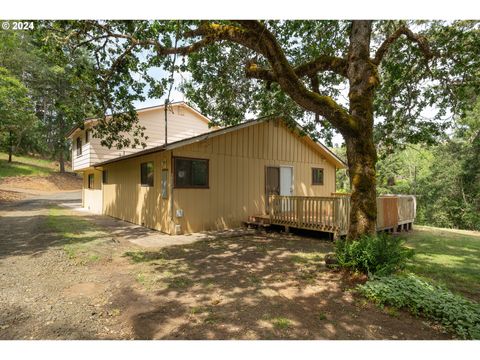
(258, 221)
(263, 219)
(256, 224)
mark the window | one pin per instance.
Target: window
(87, 135)
(317, 176)
(91, 181)
(79, 146)
(105, 177)
(146, 174)
(191, 173)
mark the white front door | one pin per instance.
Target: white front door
(286, 186)
(286, 181)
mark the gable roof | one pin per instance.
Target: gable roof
(145, 109)
(339, 164)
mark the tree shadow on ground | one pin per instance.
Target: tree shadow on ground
(268, 286)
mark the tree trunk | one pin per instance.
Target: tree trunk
(61, 143)
(10, 147)
(361, 155)
(61, 161)
(361, 152)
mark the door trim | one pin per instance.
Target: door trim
(278, 166)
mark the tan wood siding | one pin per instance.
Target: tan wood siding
(126, 199)
(237, 163)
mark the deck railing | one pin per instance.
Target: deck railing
(332, 214)
(311, 212)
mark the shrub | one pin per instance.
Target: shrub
(434, 302)
(380, 254)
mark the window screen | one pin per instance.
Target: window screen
(191, 173)
(146, 173)
(317, 176)
(91, 181)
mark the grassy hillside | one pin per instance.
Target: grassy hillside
(25, 166)
(448, 257)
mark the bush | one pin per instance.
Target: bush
(380, 255)
(420, 297)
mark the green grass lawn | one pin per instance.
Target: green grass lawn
(448, 257)
(25, 166)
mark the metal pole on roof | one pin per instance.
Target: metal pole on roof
(166, 116)
(171, 80)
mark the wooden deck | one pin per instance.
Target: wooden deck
(332, 214)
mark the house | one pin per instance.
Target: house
(203, 178)
(185, 122)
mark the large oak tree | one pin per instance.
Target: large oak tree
(405, 80)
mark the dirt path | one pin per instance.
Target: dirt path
(69, 275)
(44, 294)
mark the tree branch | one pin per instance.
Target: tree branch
(285, 75)
(323, 63)
(255, 36)
(419, 39)
(309, 69)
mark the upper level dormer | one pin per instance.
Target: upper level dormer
(183, 122)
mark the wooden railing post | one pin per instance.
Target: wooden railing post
(335, 212)
(299, 212)
(271, 201)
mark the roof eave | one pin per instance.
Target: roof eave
(149, 108)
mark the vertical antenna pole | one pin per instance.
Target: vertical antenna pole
(166, 122)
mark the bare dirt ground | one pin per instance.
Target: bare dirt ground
(9, 196)
(65, 274)
(19, 187)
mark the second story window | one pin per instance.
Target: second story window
(79, 146)
(87, 136)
